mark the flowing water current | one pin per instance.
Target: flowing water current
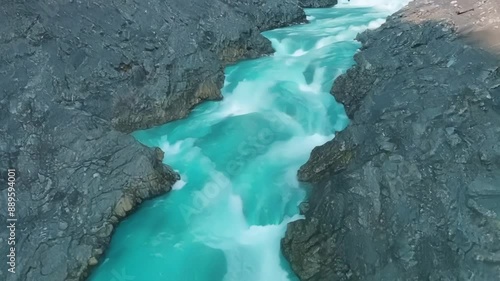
(238, 160)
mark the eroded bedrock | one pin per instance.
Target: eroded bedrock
(75, 76)
(411, 189)
(317, 3)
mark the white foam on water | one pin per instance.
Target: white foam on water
(334, 29)
(376, 23)
(223, 233)
(296, 147)
(256, 254)
(299, 53)
(247, 97)
(237, 108)
(310, 88)
(346, 34)
(284, 120)
(341, 120)
(178, 185)
(388, 6)
(236, 204)
(291, 177)
(280, 46)
(170, 149)
(315, 86)
(323, 42)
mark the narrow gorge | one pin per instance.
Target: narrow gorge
(238, 159)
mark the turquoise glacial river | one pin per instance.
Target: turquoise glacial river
(238, 160)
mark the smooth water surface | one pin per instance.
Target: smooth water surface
(238, 160)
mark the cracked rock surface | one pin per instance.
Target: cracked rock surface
(411, 189)
(317, 3)
(75, 78)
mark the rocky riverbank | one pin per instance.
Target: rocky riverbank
(75, 77)
(411, 189)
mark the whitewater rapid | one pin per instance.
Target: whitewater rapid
(238, 160)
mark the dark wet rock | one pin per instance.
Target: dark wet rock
(411, 189)
(317, 3)
(75, 77)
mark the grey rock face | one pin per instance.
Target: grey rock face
(75, 76)
(411, 189)
(317, 3)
